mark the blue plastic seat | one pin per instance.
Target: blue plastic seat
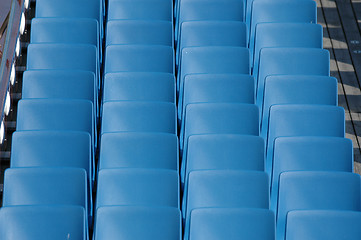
(303, 120)
(65, 84)
(225, 189)
(140, 10)
(267, 35)
(45, 186)
(139, 86)
(52, 149)
(211, 60)
(217, 10)
(302, 190)
(129, 116)
(43, 223)
(139, 150)
(207, 118)
(55, 114)
(139, 32)
(223, 151)
(296, 89)
(63, 57)
(198, 88)
(290, 61)
(139, 58)
(281, 11)
(65, 30)
(309, 154)
(141, 187)
(212, 33)
(232, 224)
(130, 222)
(330, 225)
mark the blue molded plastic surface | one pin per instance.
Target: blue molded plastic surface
(43, 223)
(303, 120)
(131, 116)
(330, 225)
(232, 224)
(144, 187)
(290, 61)
(139, 150)
(198, 88)
(139, 32)
(225, 188)
(296, 89)
(130, 222)
(139, 58)
(45, 186)
(140, 10)
(304, 190)
(309, 154)
(139, 86)
(307, 35)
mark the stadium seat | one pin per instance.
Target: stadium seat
(43, 223)
(139, 86)
(281, 11)
(61, 56)
(303, 120)
(207, 118)
(296, 89)
(45, 186)
(290, 61)
(65, 84)
(211, 60)
(139, 150)
(212, 33)
(137, 222)
(141, 187)
(267, 35)
(302, 190)
(139, 32)
(225, 189)
(223, 151)
(323, 224)
(130, 116)
(139, 58)
(140, 10)
(232, 224)
(52, 149)
(217, 10)
(203, 88)
(65, 30)
(309, 154)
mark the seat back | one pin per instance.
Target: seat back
(139, 150)
(142, 187)
(45, 186)
(296, 89)
(332, 225)
(139, 58)
(139, 86)
(303, 190)
(232, 224)
(163, 223)
(131, 116)
(43, 222)
(303, 120)
(139, 32)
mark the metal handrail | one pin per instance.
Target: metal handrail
(8, 57)
(4, 25)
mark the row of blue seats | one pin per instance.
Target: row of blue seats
(290, 72)
(225, 188)
(48, 189)
(138, 194)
